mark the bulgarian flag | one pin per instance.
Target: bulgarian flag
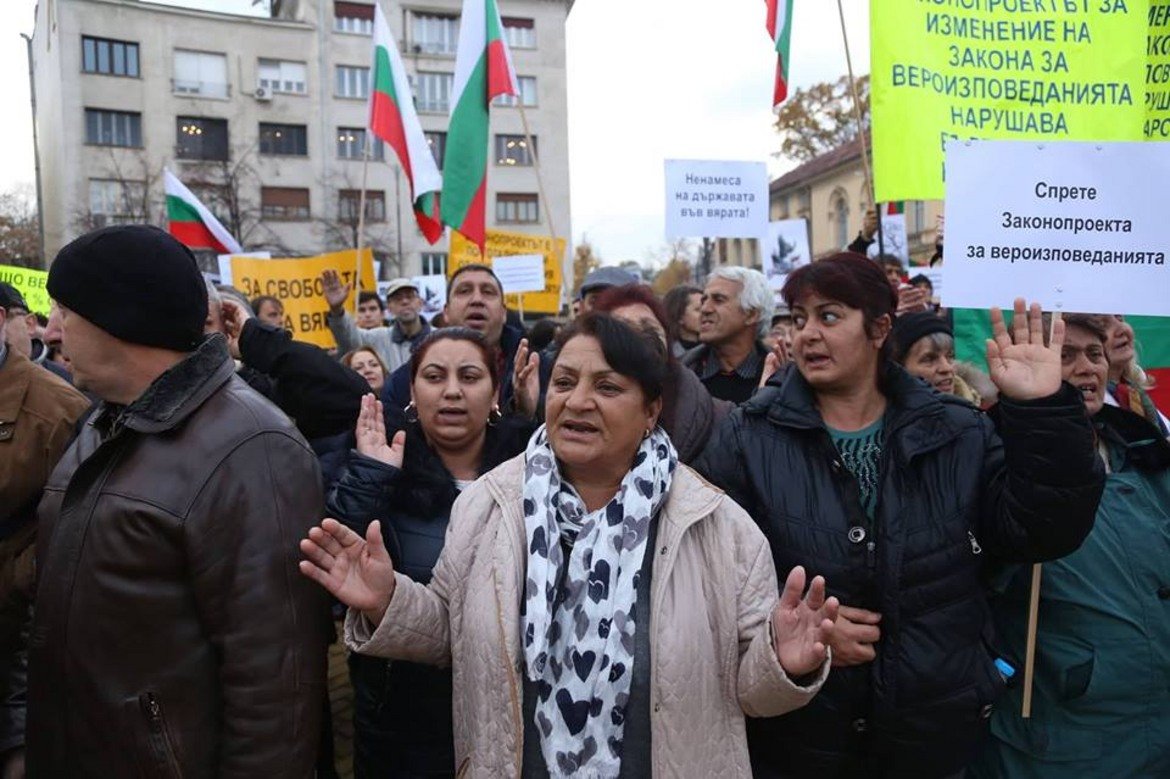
(483, 71)
(973, 327)
(394, 120)
(190, 221)
(780, 28)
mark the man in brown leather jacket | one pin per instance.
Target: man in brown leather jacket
(37, 415)
(173, 635)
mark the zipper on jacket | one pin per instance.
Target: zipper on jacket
(160, 743)
(975, 548)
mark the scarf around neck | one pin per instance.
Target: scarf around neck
(579, 628)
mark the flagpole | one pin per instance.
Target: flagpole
(868, 170)
(361, 236)
(539, 188)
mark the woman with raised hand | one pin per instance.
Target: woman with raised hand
(898, 494)
(1104, 629)
(605, 612)
(449, 435)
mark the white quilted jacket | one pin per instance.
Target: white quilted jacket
(712, 591)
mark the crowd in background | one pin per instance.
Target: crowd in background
(734, 530)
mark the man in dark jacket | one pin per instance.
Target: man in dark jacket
(475, 299)
(736, 314)
(173, 635)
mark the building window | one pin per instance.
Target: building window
(197, 138)
(513, 151)
(349, 144)
(200, 73)
(433, 92)
(349, 200)
(438, 144)
(116, 201)
(517, 208)
(113, 128)
(290, 78)
(357, 18)
(284, 139)
(286, 204)
(918, 217)
(436, 34)
(352, 82)
(434, 263)
(108, 57)
(840, 219)
(520, 33)
(527, 86)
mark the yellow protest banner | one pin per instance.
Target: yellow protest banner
(297, 284)
(1158, 72)
(1068, 70)
(502, 243)
(30, 284)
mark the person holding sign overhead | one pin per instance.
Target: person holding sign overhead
(897, 494)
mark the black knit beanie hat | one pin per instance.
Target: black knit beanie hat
(137, 283)
(909, 328)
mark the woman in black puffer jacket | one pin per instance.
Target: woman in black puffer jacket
(899, 496)
(451, 433)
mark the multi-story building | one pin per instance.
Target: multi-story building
(263, 118)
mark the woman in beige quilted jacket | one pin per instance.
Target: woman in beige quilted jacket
(605, 612)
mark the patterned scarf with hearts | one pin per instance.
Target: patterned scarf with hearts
(579, 629)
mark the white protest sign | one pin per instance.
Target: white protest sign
(1078, 227)
(712, 199)
(520, 273)
(786, 249)
(893, 239)
(433, 291)
(225, 264)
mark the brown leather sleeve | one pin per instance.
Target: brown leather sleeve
(270, 624)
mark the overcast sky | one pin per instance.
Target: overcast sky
(648, 80)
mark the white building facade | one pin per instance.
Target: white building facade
(263, 118)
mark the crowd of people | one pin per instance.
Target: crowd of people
(728, 531)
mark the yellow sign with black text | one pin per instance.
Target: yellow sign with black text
(30, 284)
(501, 243)
(297, 284)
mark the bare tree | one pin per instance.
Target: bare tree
(340, 221)
(134, 179)
(228, 188)
(20, 237)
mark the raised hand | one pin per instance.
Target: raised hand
(854, 637)
(335, 292)
(776, 359)
(234, 317)
(371, 434)
(1021, 365)
(912, 300)
(358, 573)
(803, 626)
(526, 379)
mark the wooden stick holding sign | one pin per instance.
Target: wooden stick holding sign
(1034, 608)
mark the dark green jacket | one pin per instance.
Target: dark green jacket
(1101, 705)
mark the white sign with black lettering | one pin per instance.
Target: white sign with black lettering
(716, 199)
(1077, 227)
(521, 273)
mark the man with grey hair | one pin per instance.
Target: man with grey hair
(735, 315)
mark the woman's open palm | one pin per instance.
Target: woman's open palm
(370, 434)
(358, 573)
(803, 626)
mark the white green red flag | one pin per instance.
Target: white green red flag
(191, 223)
(394, 120)
(780, 28)
(483, 71)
